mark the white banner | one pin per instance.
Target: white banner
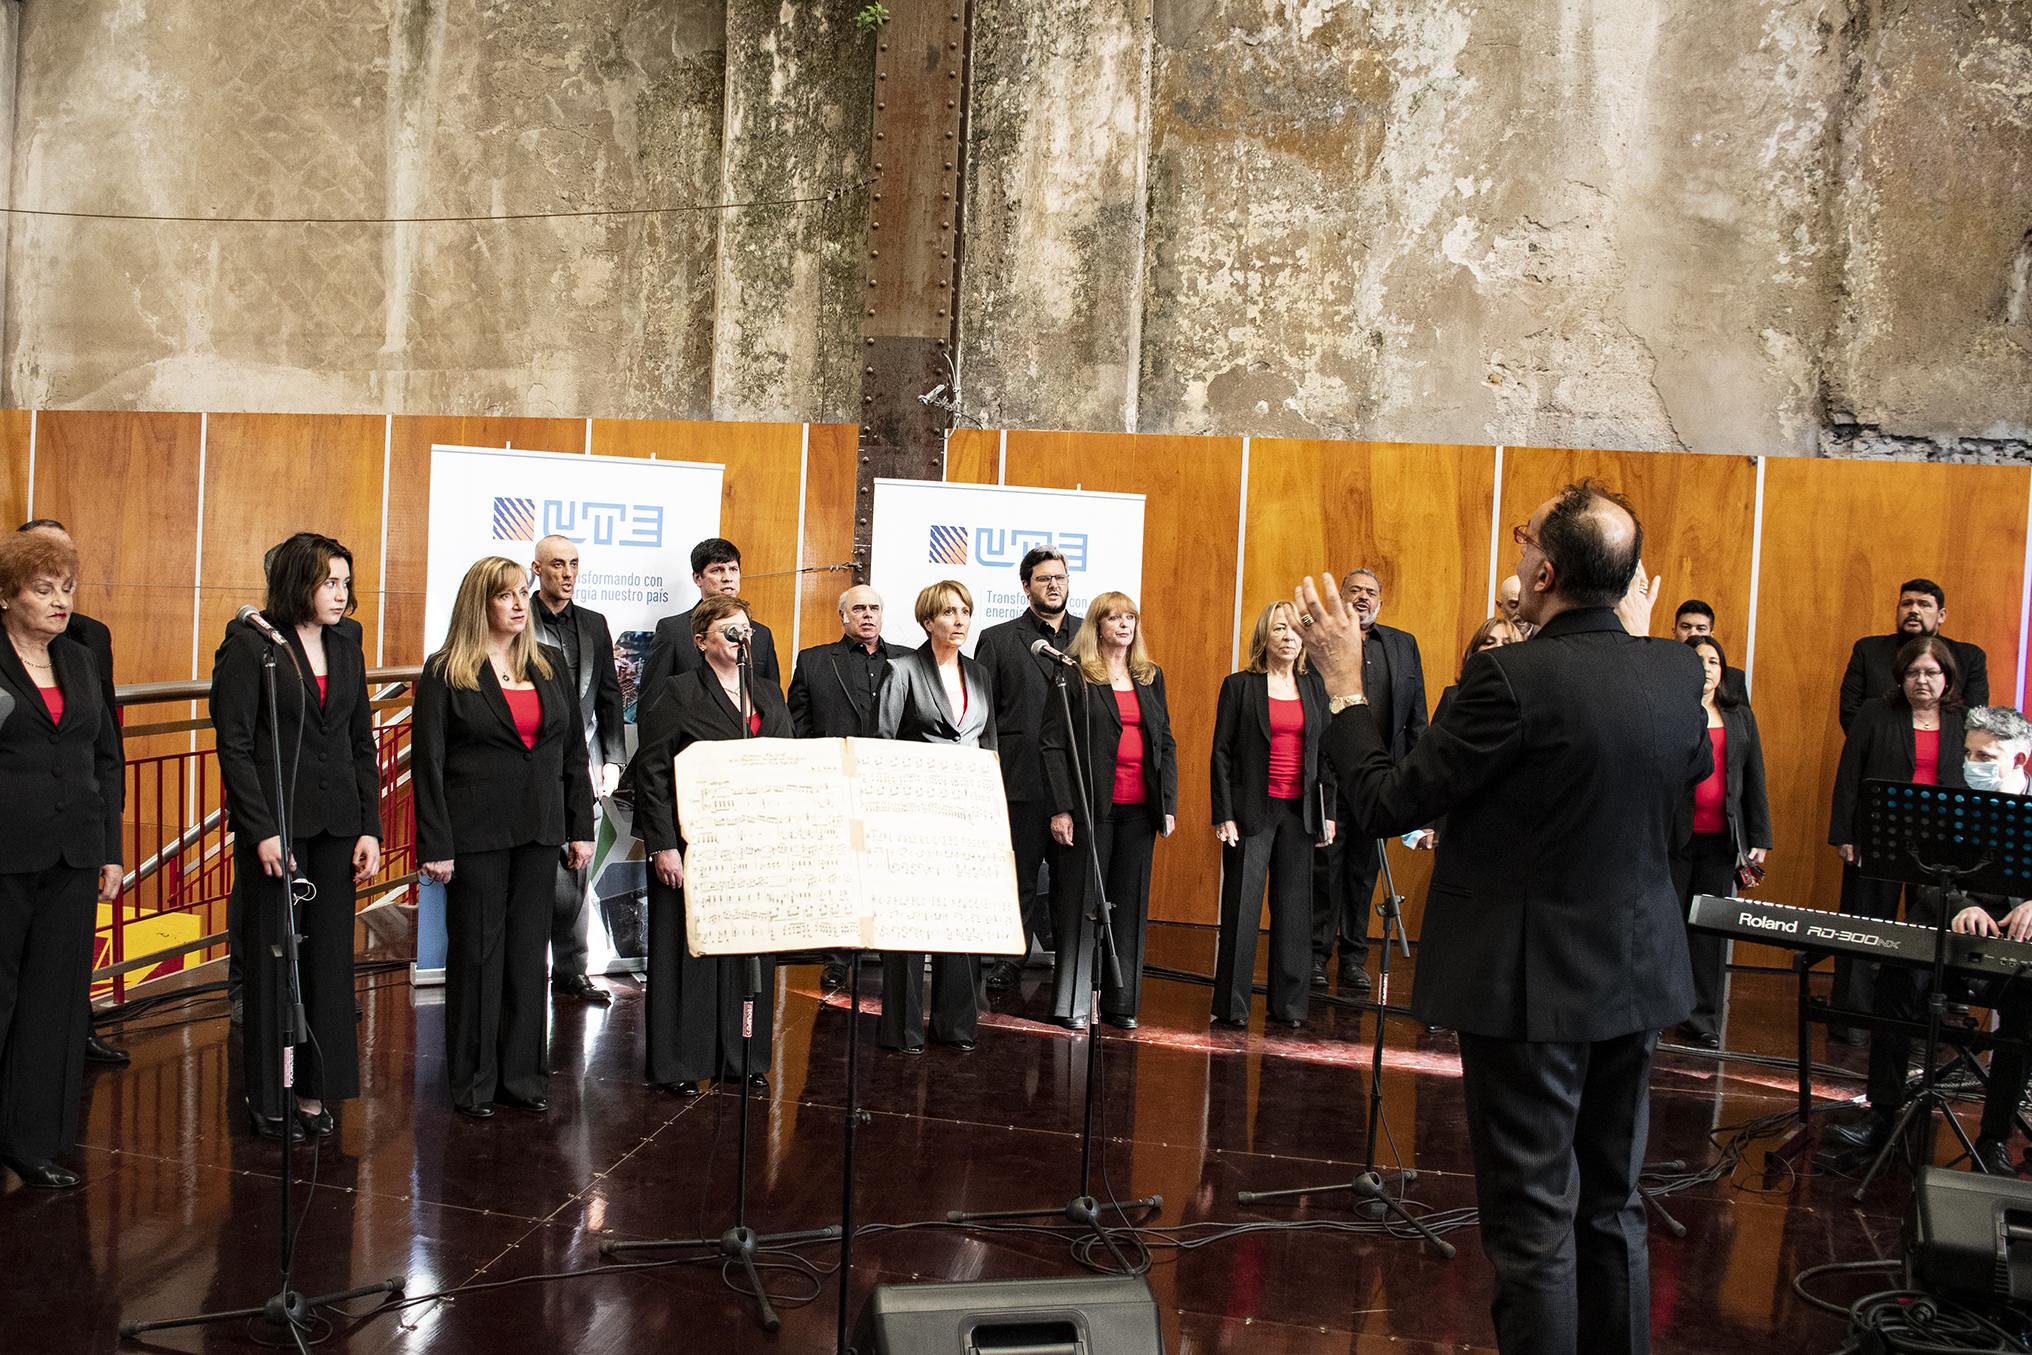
(978, 534)
(635, 522)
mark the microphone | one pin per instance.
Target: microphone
(252, 616)
(738, 634)
(1043, 650)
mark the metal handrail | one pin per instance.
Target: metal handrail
(147, 693)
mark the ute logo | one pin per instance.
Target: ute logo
(598, 522)
(951, 544)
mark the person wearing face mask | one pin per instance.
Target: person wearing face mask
(1731, 828)
(1273, 803)
(1997, 749)
(1912, 733)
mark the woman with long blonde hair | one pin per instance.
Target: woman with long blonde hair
(1128, 761)
(498, 765)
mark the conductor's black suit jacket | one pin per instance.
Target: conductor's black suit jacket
(1239, 766)
(1100, 737)
(827, 700)
(691, 707)
(62, 785)
(477, 789)
(1562, 766)
(329, 747)
(1868, 675)
(673, 650)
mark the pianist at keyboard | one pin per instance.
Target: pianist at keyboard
(1998, 745)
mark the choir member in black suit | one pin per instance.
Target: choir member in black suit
(1273, 803)
(694, 1019)
(1130, 765)
(1922, 611)
(1730, 827)
(716, 571)
(94, 635)
(1552, 939)
(581, 635)
(60, 800)
(325, 730)
(1696, 618)
(1912, 732)
(935, 694)
(498, 764)
(832, 696)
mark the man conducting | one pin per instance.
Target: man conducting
(1553, 942)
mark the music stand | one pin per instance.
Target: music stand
(1952, 838)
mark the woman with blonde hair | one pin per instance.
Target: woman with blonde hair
(1129, 765)
(498, 764)
(1273, 801)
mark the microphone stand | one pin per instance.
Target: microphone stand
(1371, 1187)
(1084, 1209)
(740, 1243)
(287, 1309)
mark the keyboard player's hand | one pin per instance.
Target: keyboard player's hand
(1973, 921)
(2018, 922)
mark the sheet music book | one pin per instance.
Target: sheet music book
(800, 844)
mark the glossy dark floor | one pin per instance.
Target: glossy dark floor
(179, 1207)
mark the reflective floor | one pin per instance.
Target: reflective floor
(180, 1208)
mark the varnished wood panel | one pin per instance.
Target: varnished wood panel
(1698, 512)
(410, 441)
(1418, 515)
(829, 533)
(14, 439)
(270, 475)
(1192, 488)
(973, 456)
(1839, 537)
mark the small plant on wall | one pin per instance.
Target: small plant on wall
(871, 17)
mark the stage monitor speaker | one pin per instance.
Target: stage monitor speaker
(1097, 1315)
(1972, 1234)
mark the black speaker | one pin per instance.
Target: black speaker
(1097, 1315)
(1972, 1234)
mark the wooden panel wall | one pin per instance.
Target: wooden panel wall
(16, 431)
(829, 533)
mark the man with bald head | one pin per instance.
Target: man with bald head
(832, 694)
(582, 636)
(1552, 940)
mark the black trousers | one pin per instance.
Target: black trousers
(955, 999)
(497, 916)
(1855, 980)
(329, 1070)
(1343, 884)
(1124, 841)
(568, 913)
(1030, 839)
(1558, 1131)
(1901, 992)
(1713, 872)
(694, 1008)
(46, 922)
(1279, 854)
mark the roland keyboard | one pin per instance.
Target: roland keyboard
(1869, 938)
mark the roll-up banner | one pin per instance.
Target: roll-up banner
(635, 522)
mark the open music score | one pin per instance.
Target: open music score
(798, 844)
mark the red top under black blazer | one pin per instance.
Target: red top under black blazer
(1100, 737)
(62, 785)
(477, 789)
(1880, 748)
(1239, 768)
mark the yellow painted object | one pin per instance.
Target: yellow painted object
(142, 934)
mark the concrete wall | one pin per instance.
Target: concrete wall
(1727, 225)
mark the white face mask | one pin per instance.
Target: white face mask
(1983, 775)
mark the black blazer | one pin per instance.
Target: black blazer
(1093, 705)
(327, 751)
(62, 786)
(825, 702)
(1023, 692)
(1880, 748)
(672, 650)
(911, 705)
(1407, 686)
(690, 708)
(1239, 771)
(599, 685)
(1746, 805)
(1868, 675)
(477, 789)
(1563, 769)
(98, 642)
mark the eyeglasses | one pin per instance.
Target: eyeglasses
(1521, 534)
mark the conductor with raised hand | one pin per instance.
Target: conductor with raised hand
(1552, 941)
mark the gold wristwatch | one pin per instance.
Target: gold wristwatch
(1341, 703)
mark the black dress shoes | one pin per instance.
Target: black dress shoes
(1319, 973)
(321, 1125)
(1994, 1157)
(483, 1111)
(585, 990)
(759, 1081)
(98, 1051)
(1002, 976)
(535, 1105)
(1355, 979)
(1231, 1023)
(909, 1051)
(41, 1174)
(275, 1126)
(688, 1090)
(961, 1046)
(1856, 1137)
(1118, 1021)
(833, 977)
(1069, 1022)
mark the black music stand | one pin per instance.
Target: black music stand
(1952, 838)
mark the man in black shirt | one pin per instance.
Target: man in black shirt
(582, 636)
(1022, 685)
(832, 696)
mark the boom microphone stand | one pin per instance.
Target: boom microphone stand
(288, 1310)
(740, 1243)
(1083, 1208)
(1371, 1187)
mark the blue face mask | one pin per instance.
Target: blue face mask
(1983, 775)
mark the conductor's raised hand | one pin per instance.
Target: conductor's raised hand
(1634, 611)
(1332, 634)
